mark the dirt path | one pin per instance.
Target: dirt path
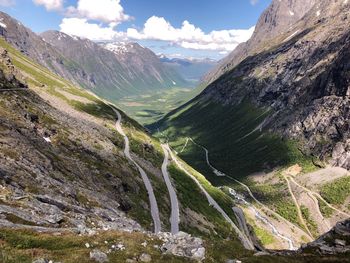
(146, 181)
(320, 197)
(311, 202)
(300, 215)
(175, 214)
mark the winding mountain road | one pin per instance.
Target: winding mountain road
(244, 239)
(242, 222)
(275, 231)
(146, 181)
(175, 214)
(185, 145)
(215, 171)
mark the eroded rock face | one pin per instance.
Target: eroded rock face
(335, 241)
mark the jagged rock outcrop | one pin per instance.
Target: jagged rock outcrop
(183, 245)
(336, 241)
(10, 77)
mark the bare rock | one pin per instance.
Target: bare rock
(145, 258)
(98, 256)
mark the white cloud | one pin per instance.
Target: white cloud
(106, 11)
(254, 2)
(97, 20)
(50, 4)
(82, 28)
(7, 3)
(189, 36)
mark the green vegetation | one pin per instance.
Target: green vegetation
(25, 246)
(337, 191)
(187, 188)
(311, 224)
(264, 236)
(17, 220)
(236, 144)
(98, 109)
(150, 107)
(325, 210)
(288, 210)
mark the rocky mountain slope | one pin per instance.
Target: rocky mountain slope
(277, 19)
(130, 70)
(109, 74)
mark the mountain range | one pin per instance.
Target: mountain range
(107, 72)
(253, 169)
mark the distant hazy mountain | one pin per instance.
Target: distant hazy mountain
(191, 69)
(95, 67)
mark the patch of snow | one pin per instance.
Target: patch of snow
(47, 139)
(291, 13)
(345, 2)
(3, 24)
(174, 83)
(118, 47)
(318, 13)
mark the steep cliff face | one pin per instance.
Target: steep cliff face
(277, 19)
(301, 86)
(305, 81)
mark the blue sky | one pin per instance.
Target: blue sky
(209, 29)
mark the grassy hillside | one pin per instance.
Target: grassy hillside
(232, 135)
